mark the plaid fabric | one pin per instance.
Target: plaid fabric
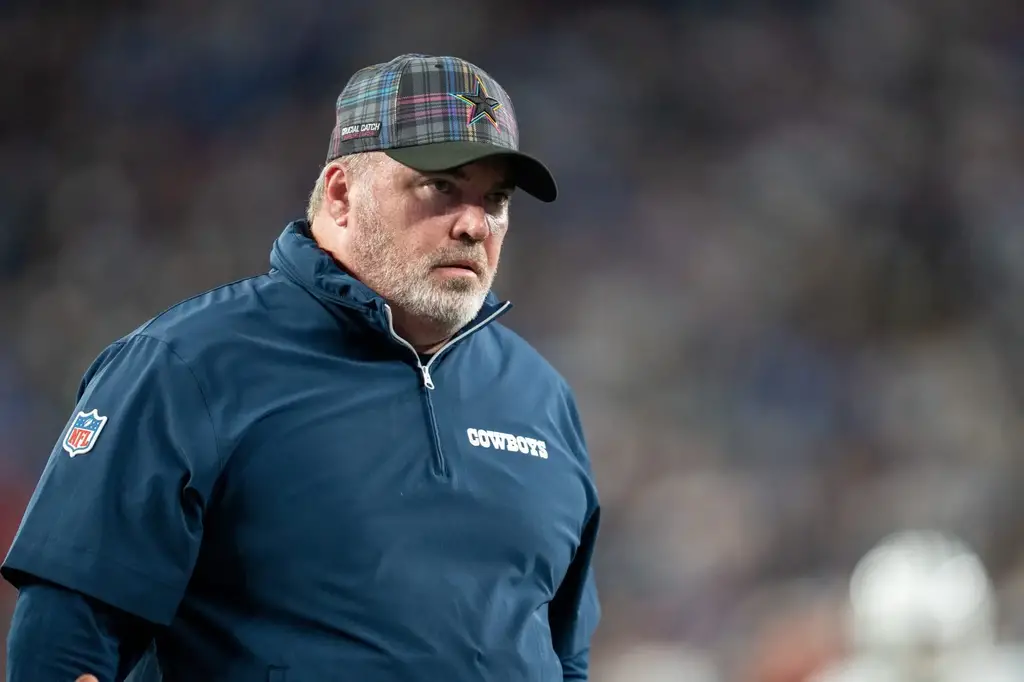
(417, 99)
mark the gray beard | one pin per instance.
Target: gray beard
(448, 305)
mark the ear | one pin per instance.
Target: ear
(336, 194)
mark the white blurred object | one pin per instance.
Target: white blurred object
(922, 609)
(659, 663)
(921, 593)
(998, 664)
(861, 670)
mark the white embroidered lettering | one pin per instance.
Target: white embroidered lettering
(480, 438)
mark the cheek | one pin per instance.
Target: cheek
(493, 247)
(405, 234)
(422, 239)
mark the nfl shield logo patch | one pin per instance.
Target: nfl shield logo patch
(83, 433)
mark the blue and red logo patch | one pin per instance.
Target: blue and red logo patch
(84, 431)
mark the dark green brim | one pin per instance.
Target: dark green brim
(529, 174)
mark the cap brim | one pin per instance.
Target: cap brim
(529, 174)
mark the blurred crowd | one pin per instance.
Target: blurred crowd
(784, 275)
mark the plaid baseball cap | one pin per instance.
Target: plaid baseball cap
(432, 114)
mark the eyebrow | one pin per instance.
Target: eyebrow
(505, 184)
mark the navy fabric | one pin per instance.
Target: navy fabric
(285, 488)
(57, 634)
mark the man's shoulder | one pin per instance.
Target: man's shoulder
(525, 357)
(255, 308)
(206, 316)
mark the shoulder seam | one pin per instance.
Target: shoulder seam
(206, 403)
(168, 309)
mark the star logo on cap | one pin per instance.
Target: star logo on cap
(482, 105)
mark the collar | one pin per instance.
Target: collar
(297, 255)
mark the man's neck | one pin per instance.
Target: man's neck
(421, 335)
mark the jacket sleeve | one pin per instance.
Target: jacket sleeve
(57, 635)
(575, 610)
(118, 512)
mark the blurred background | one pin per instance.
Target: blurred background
(785, 275)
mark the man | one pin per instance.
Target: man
(344, 469)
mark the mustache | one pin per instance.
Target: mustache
(478, 259)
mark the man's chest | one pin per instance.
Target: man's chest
(371, 480)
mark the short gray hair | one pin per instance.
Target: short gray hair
(354, 165)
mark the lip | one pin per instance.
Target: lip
(468, 265)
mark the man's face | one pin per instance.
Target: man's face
(430, 243)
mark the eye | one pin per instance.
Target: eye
(499, 199)
(441, 185)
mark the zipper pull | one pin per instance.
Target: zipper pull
(427, 381)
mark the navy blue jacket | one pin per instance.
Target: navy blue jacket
(276, 479)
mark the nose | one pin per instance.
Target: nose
(472, 225)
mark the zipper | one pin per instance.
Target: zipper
(441, 467)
